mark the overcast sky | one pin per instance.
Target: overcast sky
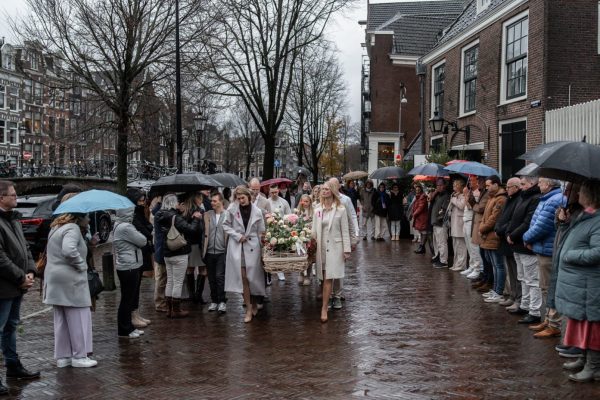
(343, 30)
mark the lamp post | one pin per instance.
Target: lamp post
(200, 125)
(436, 124)
(363, 157)
(403, 100)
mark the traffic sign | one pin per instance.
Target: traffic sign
(27, 155)
(277, 163)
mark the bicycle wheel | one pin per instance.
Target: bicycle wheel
(132, 173)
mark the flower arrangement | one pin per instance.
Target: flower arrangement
(287, 233)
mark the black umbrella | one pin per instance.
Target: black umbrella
(429, 169)
(228, 180)
(388, 173)
(530, 169)
(568, 161)
(183, 183)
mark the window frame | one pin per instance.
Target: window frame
(464, 50)
(434, 94)
(504, 98)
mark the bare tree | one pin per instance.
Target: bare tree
(248, 134)
(254, 55)
(349, 135)
(115, 47)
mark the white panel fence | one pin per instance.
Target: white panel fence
(574, 122)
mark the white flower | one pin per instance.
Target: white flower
(281, 241)
(273, 241)
(268, 235)
(293, 247)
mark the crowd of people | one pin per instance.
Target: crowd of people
(529, 246)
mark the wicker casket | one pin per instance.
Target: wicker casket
(285, 244)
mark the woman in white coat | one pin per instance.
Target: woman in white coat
(331, 231)
(245, 227)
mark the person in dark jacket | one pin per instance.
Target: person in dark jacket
(513, 189)
(17, 274)
(350, 190)
(531, 296)
(194, 202)
(540, 238)
(160, 271)
(439, 205)
(396, 211)
(143, 226)
(176, 261)
(381, 204)
(578, 283)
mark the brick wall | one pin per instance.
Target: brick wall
(385, 92)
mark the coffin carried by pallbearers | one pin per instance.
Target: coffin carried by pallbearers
(287, 243)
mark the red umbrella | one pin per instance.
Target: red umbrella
(275, 181)
(455, 162)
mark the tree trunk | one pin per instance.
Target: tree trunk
(122, 155)
(269, 162)
(315, 162)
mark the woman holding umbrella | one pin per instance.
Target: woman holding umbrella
(176, 261)
(381, 205)
(192, 204)
(245, 227)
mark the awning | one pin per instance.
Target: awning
(470, 146)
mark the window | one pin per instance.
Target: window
(33, 58)
(469, 78)
(2, 129)
(51, 126)
(37, 123)
(439, 77)
(516, 58)
(37, 93)
(28, 90)
(385, 154)
(27, 122)
(2, 97)
(13, 98)
(12, 133)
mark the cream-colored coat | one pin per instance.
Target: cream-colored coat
(338, 242)
(457, 210)
(234, 228)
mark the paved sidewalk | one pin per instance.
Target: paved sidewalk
(407, 331)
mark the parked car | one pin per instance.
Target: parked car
(37, 216)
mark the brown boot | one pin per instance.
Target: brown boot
(177, 312)
(549, 332)
(486, 287)
(169, 301)
(539, 327)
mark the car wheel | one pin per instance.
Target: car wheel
(104, 228)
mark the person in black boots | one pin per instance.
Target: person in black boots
(195, 203)
(17, 274)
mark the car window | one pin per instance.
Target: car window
(26, 209)
(35, 209)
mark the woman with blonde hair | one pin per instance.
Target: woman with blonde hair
(66, 289)
(315, 195)
(305, 210)
(331, 231)
(195, 202)
(245, 227)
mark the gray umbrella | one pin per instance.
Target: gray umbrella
(302, 171)
(568, 161)
(530, 169)
(184, 183)
(228, 180)
(429, 169)
(388, 173)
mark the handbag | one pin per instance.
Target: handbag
(94, 282)
(175, 239)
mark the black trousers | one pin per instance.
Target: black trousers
(129, 297)
(215, 264)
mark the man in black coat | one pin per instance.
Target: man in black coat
(17, 274)
(518, 225)
(513, 188)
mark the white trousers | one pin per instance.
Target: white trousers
(528, 275)
(380, 226)
(72, 332)
(366, 221)
(460, 252)
(176, 269)
(440, 243)
(475, 261)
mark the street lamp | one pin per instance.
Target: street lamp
(436, 124)
(363, 156)
(199, 125)
(403, 100)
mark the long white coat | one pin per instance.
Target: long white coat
(338, 242)
(234, 228)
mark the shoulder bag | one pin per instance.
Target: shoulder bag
(175, 239)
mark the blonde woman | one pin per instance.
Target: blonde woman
(245, 227)
(66, 289)
(195, 203)
(330, 230)
(305, 211)
(315, 195)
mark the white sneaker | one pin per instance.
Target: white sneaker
(494, 298)
(222, 308)
(473, 274)
(63, 362)
(466, 272)
(488, 294)
(281, 276)
(139, 332)
(213, 307)
(85, 362)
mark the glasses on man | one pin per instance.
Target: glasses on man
(9, 195)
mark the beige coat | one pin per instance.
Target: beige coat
(457, 210)
(338, 242)
(478, 209)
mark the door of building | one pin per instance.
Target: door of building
(513, 138)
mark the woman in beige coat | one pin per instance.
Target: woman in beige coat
(330, 229)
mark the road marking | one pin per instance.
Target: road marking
(36, 313)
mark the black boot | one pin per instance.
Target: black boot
(420, 249)
(3, 389)
(191, 287)
(199, 289)
(16, 370)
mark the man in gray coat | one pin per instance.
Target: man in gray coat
(17, 272)
(365, 197)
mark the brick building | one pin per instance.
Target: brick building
(500, 65)
(397, 35)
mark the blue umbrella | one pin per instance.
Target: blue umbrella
(94, 200)
(429, 169)
(472, 168)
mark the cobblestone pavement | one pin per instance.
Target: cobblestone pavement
(406, 331)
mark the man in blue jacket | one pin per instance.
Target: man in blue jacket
(540, 239)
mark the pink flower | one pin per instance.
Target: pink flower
(291, 218)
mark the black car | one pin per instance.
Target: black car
(37, 216)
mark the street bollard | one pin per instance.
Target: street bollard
(108, 271)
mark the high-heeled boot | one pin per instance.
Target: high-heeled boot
(177, 311)
(199, 289)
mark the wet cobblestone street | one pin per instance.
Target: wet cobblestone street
(406, 331)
